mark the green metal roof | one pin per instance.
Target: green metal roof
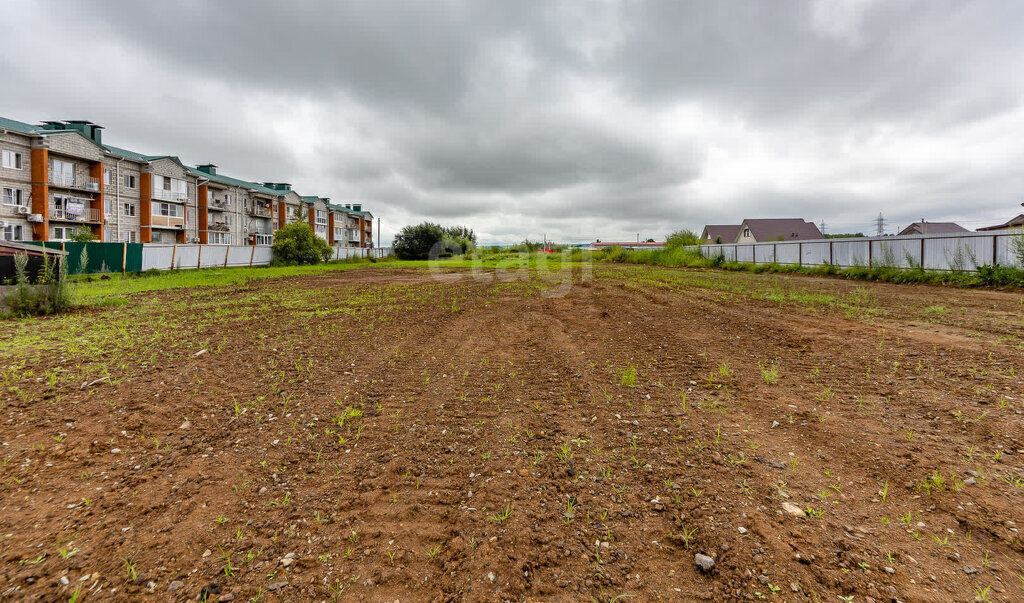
(254, 186)
(18, 126)
(131, 154)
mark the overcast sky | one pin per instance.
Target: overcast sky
(578, 120)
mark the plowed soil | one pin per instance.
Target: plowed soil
(389, 434)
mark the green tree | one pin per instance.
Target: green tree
(682, 238)
(83, 234)
(416, 242)
(297, 244)
(458, 240)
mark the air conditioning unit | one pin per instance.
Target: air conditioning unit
(23, 209)
(35, 217)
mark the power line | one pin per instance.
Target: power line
(880, 224)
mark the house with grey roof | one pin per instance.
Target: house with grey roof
(757, 230)
(932, 228)
(1017, 222)
(720, 233)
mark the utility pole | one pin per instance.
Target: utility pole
(879, 224)
(924, 229)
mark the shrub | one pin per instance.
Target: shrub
(1000, 276)
(297, 244)
(83, 235)
(429, 240)
(51, 294)
(682, 238)
(415, 242)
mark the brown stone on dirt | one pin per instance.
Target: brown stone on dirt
(793, 510)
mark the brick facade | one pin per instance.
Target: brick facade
(67, 180)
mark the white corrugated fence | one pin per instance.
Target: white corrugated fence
(184, 256)
(961, 252)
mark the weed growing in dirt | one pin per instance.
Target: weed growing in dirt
(769, 374)
(570, 510)
(65, 553)
(502, 515)
(564, 453)
(685, 535)
(627, 376)
(129, 567)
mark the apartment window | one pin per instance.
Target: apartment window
(14, 196)
(218, 238)
(130, 182)
(107, 177)
(63, 233)
(63, 173)
(14, 232)
(170, 209)
(321, 217)
(746, 232)
(108, 207)
(129, 210)
(227, 219)
(11, 160)
(129, 237)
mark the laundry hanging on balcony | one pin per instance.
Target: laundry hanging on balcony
(74, 208)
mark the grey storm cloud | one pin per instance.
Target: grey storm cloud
(571, 120)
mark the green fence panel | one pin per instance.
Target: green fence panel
(100, 257)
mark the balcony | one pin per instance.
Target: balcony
(168, 222)
(86, 215)
(218, 227)
(219, 205)
(70, 181)
(166, 195)
(262, 211)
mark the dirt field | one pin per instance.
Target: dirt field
(387, 435)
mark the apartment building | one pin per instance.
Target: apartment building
(59, 177)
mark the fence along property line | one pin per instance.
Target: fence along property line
(136, 257)
(188, 256)
(962, 252)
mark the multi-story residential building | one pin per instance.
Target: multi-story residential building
(59, 177)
